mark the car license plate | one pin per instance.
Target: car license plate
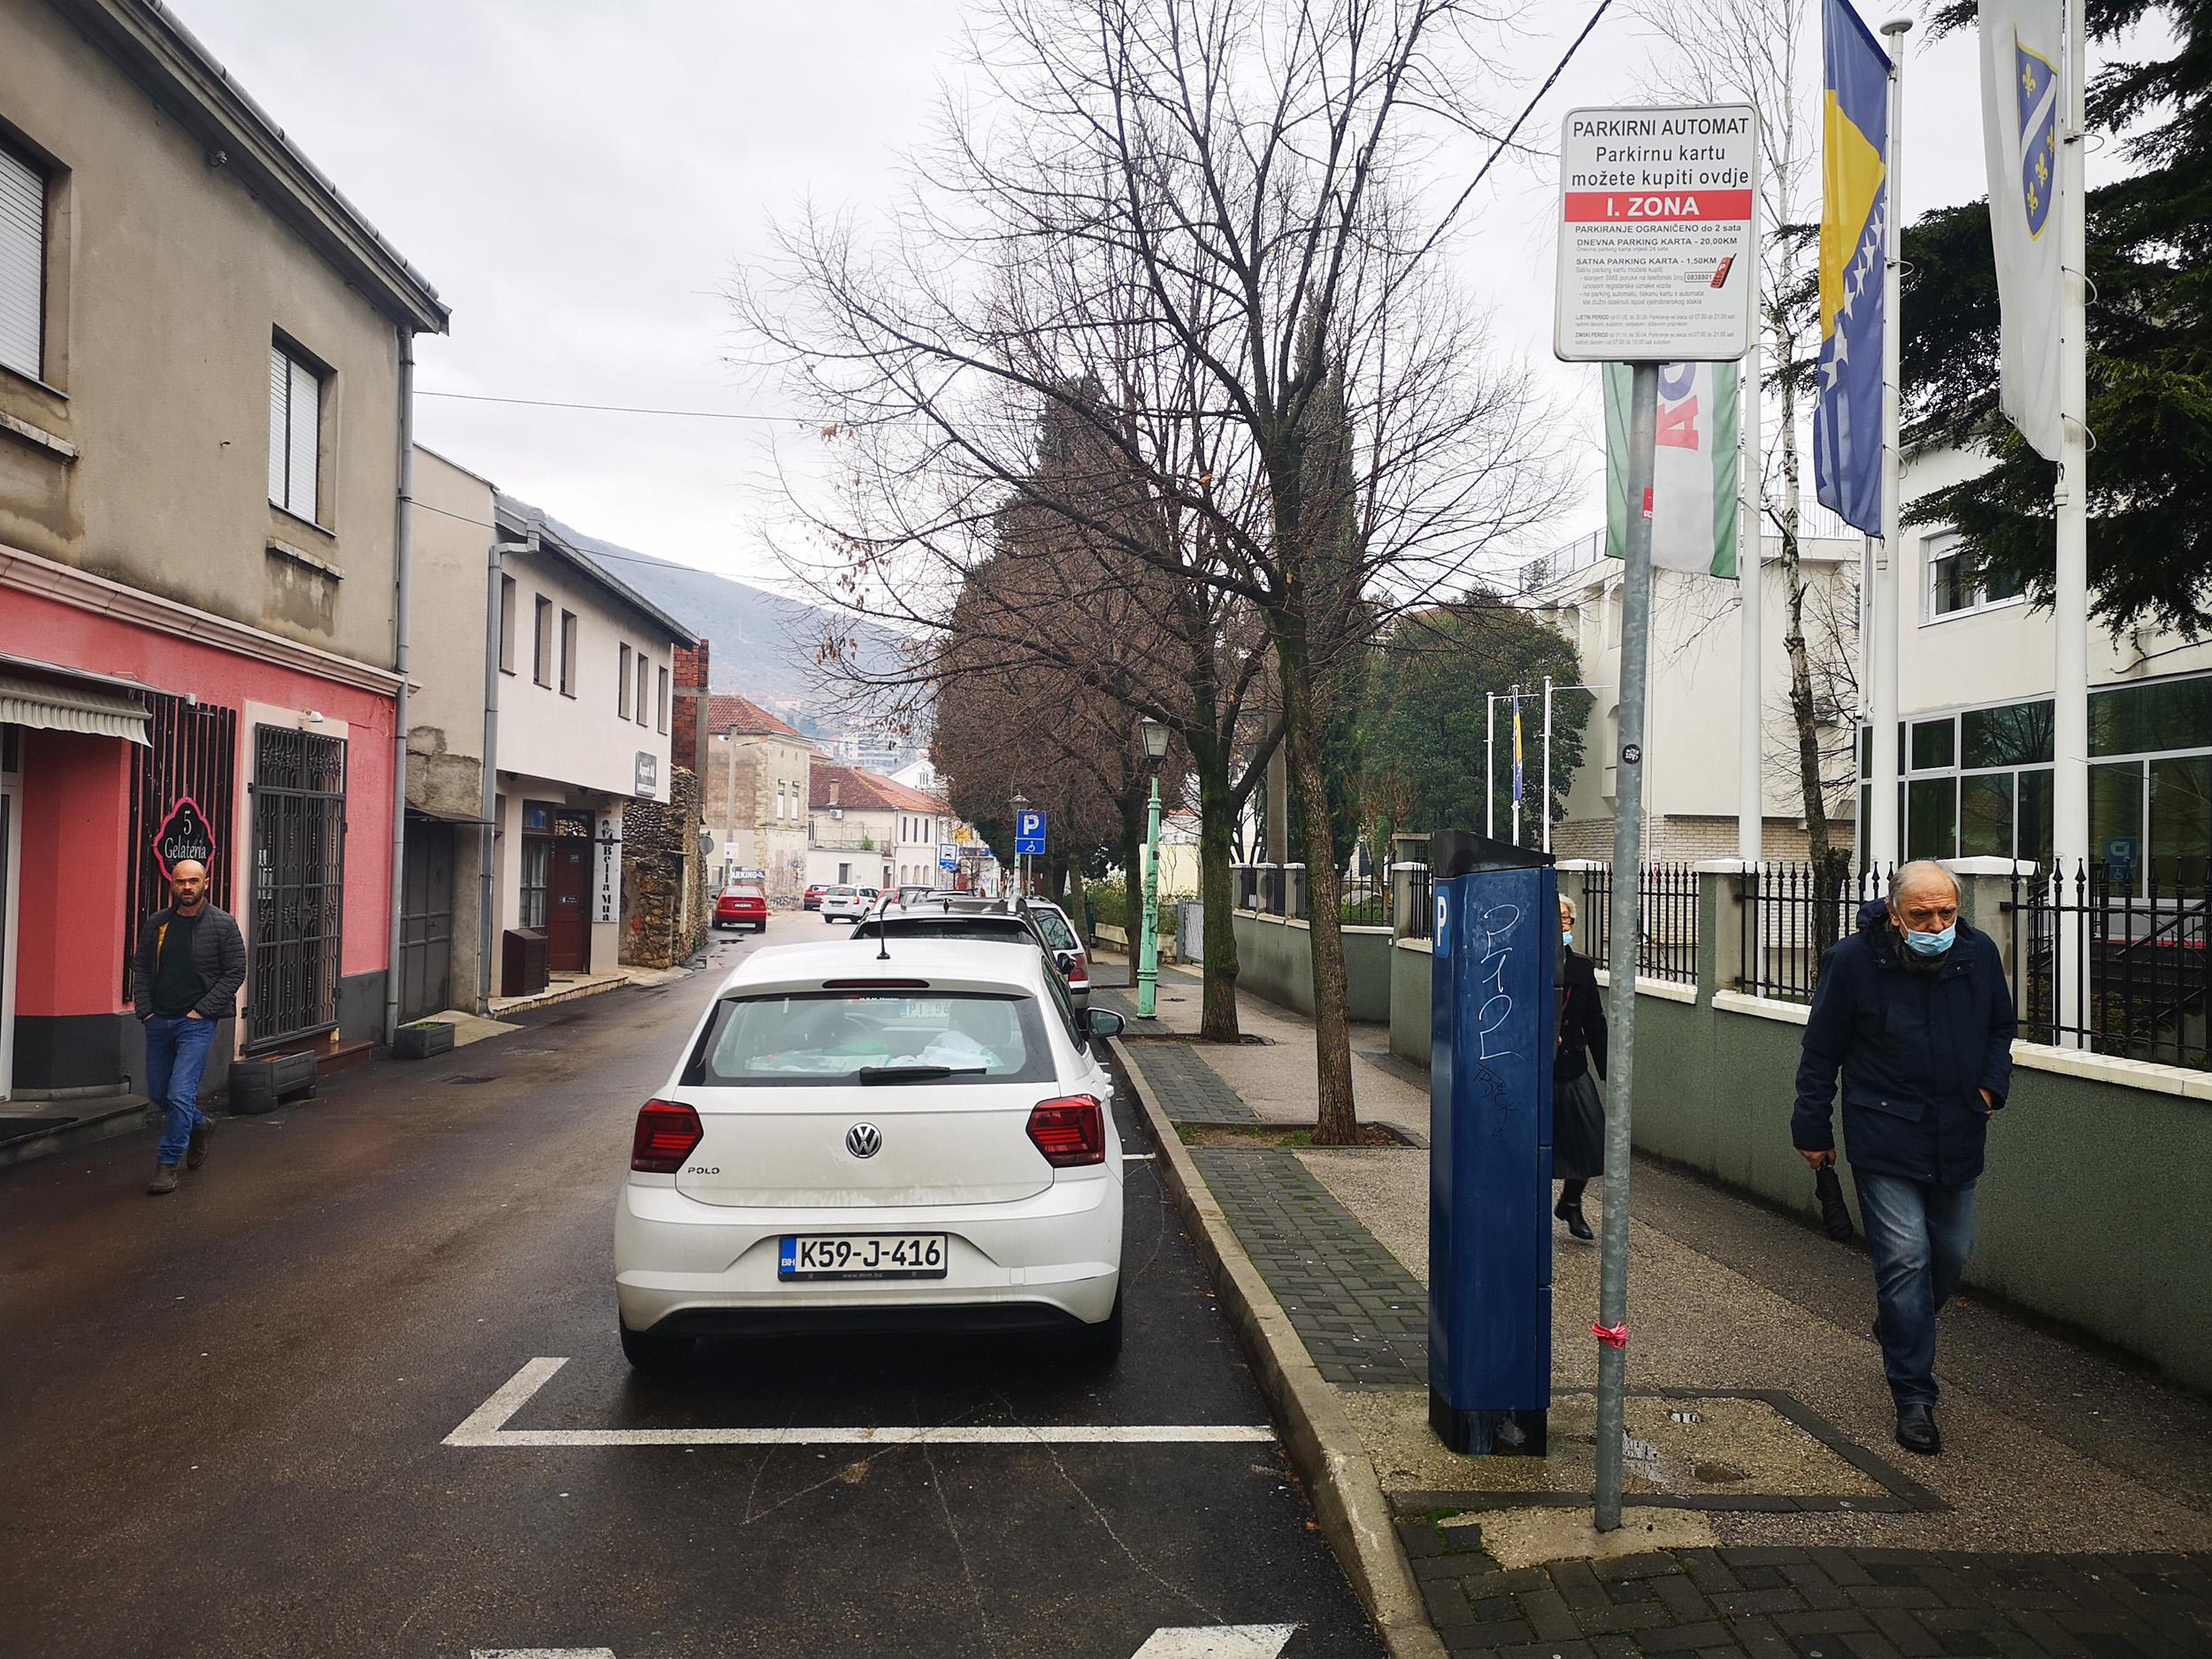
(861, 1256)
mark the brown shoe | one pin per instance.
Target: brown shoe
(165, 1179)
(195, 1149)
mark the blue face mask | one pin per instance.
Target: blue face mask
(1568, 939)
(1930, 944)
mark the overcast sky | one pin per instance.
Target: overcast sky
(581, 180)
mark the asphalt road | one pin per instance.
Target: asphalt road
(224, 1414)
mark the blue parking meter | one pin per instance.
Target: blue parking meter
(1492, 1027)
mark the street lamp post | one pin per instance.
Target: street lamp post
(1017, 803)
(1155, 737)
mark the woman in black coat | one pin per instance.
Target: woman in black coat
(1578, 1116)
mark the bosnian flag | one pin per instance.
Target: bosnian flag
(2020, 110)
(1693, 501)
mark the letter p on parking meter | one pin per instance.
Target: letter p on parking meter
(1493, 1021)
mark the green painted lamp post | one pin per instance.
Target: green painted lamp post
(1154, 736)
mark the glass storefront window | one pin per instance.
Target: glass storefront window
(1934, 745)
(2017, 734)
(2032, 840)
(2181, 819)
(2143, 720)
(1932, 819)
(2115, 819)
(1986, 816)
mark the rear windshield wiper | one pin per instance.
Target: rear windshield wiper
(914, 1073)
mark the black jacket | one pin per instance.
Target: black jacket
(219, 951)
(1915, 1045)
(1581, 1020)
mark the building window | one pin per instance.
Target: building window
(568, 652)
(537, 864)
(1952, 587)
(660, 703)
(542, 659)
(296, 433)
(622, 685)
(644, 686)
(506, 625)
(22, 266)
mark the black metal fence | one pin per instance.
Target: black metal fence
(1666, 920)
(1792, 912)
(2117, 961)
(1367, 900)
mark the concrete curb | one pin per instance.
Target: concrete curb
(128, 1118)
(1324, 1449)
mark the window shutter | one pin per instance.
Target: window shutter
(307, 440)
(22, 266)
(279, 426)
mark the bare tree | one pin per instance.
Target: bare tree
(1762, 52)
(1209, 212)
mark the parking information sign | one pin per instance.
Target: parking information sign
(1656, 235)
(948, 854)
(1029, 834)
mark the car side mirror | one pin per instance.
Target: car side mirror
(1105, 1023)
(1063, 962)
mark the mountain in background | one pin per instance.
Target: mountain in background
(761, 644)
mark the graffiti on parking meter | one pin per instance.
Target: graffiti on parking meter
(1495, 925)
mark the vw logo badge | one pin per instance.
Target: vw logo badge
(864, 1140)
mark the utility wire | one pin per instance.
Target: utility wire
(618, 409)
(1529, 109)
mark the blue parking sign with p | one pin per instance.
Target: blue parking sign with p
(1029, 834)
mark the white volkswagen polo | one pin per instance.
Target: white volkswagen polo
(850, 1142)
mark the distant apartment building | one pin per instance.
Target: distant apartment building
(756, 774)
(865, 829)
(1694, 708)
(204, 364)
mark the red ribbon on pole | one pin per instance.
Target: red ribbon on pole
(1611, 1335)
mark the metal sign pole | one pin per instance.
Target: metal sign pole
(1628, 832)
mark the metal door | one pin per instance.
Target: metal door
(568, 890)
(426, 921)
(299, 856)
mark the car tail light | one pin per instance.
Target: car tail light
(1071, 1131)
(667, 1131)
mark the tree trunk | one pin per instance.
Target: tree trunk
(1216, 888)
(1336, 1118)
(1132, 877)
(1802, 712)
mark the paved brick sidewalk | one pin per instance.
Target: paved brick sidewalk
(1363, 1318)
(1188, 1089)
(1782, 1603)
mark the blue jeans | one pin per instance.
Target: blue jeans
(176, 1054)
(1918, 1234)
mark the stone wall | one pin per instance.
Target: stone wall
(667, 898)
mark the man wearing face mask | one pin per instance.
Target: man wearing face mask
(1915, 1011)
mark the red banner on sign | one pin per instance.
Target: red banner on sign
(1657, 207)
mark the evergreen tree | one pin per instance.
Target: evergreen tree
(2149, 344)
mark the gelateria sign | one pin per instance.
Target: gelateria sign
(184, 835)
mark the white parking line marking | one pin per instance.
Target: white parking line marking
(1217, 1641)
(485, 1426)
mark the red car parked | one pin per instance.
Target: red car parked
(813, 899)
(741, 903)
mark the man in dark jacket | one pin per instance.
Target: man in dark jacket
(1915, 1009)
(190, 962)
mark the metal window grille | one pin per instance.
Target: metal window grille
(1666, 920)
(2118, 968)
(1792, 912)
(191, 751)
(299, 851)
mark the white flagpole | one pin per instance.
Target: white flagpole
(1490, 765)
(1884, 844)
(2070, 604)
(1750, 586)
(1546, 805)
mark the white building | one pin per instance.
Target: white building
(572, 724)
(1694, 701)
(756, 791)
(1974, 672)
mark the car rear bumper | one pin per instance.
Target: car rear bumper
(1037, 1261)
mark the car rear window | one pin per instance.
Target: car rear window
(826, 1038)
(1006, 929)
(1057, 933)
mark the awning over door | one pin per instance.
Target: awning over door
(78, 708)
